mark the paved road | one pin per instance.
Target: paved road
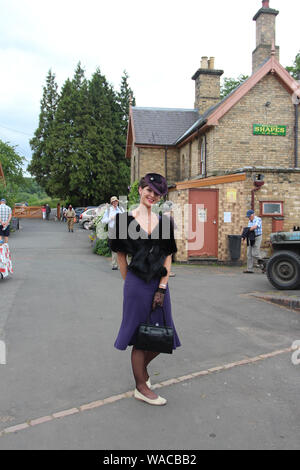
(59, 317)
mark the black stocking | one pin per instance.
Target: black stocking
(139, 361)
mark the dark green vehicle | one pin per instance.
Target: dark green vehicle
(283, 267)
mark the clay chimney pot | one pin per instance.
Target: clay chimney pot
(211, 63)
(265, 4)
(204, 62)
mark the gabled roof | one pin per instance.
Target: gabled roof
(161, 126)
(158, 126)
(212, 115)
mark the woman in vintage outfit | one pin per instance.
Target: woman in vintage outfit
(149, 239)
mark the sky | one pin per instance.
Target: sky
(159, 43)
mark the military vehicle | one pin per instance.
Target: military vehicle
(283, 267)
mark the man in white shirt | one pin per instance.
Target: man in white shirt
(109, 218)
(253, 249)
(5, 218)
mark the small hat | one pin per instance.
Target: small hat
(157, 183)
(3, 200)
(249, 213)
(113, 199)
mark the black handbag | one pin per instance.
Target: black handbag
(155, 338)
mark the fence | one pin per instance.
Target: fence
(31, 212)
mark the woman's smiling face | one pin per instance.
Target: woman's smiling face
(148, 196)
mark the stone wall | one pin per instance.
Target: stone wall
(231, 145)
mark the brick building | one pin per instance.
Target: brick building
(226, 156)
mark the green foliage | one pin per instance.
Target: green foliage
(32, 193)
(133, 196)
(230, 84)
(40, 165)
(13, 173)
(8, 193)
(11, 164)
(102, 248)
(294, 70)
(79, 147)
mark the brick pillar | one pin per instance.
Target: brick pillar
(207, 85)
(265, 35)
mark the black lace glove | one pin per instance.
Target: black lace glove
(158, 299)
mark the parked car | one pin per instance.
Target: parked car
(86, 217)
(79, 211)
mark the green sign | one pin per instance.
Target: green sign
(261, 129)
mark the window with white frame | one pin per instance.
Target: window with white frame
(271, 208)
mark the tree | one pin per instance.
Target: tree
(230, 84)
(11, 163)
(125, 95)
(69, 141)
(294, 70)
(83, 155)
(40, 144)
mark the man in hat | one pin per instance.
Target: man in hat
(70, 215)
(5, 218)
(109, 218)
(253, 250)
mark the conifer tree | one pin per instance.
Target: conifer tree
(82, 157)
(41, 156)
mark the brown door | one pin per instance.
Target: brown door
(203, 223)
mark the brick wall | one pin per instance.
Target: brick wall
(146, 160)
(262, 53)
(236, 198)
(231, 145)
(207, 89)
(173, 165)
(265, 38)
(265, 29)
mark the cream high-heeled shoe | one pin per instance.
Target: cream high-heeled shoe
(159, 401)
(148, 383)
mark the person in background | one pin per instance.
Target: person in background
(48, 211)
(5, 218)
(63, 214)
(109, 218)
(253, 249)
(58, 211)
(44, 212)
(70, 215)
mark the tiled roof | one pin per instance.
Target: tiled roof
(158, 126)
(161, 126)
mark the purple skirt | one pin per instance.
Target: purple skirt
(138, 297)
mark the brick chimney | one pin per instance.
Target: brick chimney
(265, 35)
(207, 84)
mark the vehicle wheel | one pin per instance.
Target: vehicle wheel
(86, 225)
(283, 270)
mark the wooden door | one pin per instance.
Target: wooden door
(203, 223)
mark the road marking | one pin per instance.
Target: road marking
(2, 353)
(113, 399)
